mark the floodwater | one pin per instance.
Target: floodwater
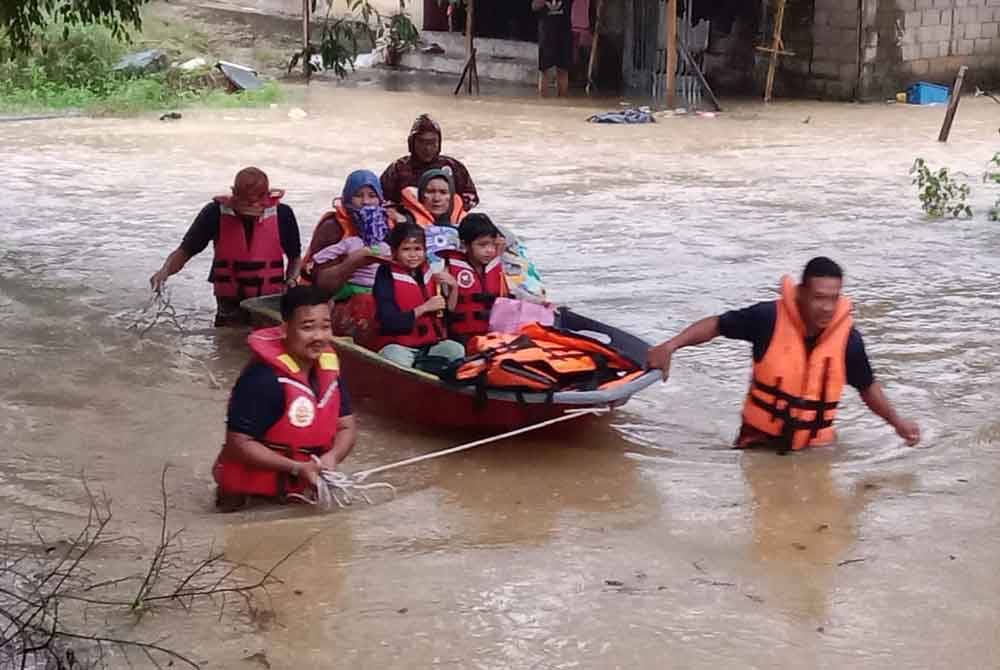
(642, 541)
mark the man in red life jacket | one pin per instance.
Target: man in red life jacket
(288, 406)
(252, 233)
(805, 348)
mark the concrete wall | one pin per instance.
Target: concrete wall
(870, 49)
(936, 36)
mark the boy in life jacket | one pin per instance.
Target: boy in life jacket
(409, 307)
(288, 405)
(253, 233)
(479, 275)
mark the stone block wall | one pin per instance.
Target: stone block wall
(870, 49)
(935, 37)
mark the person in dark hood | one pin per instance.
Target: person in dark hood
(425, 154)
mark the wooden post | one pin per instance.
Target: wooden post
(594, 45)
(777, 45)
(671, 64)
(956, 94)
(306, 20)
(470, 40)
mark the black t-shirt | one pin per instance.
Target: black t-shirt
(755, 324)
(258, 401)
(205, 229)
(556, 14)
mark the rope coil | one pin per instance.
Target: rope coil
(341, 489)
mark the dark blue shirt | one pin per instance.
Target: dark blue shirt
(258, 401)
(205, 229)
(755, 324)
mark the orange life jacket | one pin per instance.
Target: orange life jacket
(411, 201)
(541, 359)
(342, 217)
(795, 392)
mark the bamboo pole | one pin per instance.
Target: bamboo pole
(956, 94)
(470, 41)
(594, 45)
(777, 46)
(671, 64)
(306, 20)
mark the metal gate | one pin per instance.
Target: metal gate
(644, 59)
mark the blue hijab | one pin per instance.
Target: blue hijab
(371, 220)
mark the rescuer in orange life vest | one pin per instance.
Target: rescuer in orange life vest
(805, 349)
(252, 233)
(289, 416)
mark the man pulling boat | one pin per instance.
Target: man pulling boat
(289, 416)
(805, 348)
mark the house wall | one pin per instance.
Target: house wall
(870, 49)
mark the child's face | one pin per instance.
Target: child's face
(364, 197)
(410, 254)
(483, 250)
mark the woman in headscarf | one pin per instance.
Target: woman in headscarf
(350, 238)
(437, 209)
(346, 246)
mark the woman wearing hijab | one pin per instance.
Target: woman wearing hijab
(347, 244)
(435, 207)
(349, 239)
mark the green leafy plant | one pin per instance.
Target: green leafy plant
(70, 67)
(23, 20)
(939, 192)
(400, 34)
(992, 175)
(342, 38)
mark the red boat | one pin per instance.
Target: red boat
(421, 397)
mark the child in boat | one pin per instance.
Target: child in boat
(479, 274)
(409, 308)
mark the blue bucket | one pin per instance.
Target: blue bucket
(925, 93)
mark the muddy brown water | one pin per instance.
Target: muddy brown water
(640, 542)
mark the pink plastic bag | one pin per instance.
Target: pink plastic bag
(508, 315)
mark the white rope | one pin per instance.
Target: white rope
(340, 489)
(569, 415)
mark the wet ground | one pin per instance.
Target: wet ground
(642, 542)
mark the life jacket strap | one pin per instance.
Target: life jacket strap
(821, 405)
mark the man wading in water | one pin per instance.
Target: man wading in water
(805, 349)
(289, 417)
(252, 232)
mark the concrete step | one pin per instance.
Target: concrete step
(454, 45)
(502, 69)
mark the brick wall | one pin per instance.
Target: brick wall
(870, 49)
(935, 37)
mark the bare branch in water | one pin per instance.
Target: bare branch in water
(37, 587)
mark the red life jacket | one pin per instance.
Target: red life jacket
(242, 270)
(307, 426)
(427, 329)
(476, 293)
